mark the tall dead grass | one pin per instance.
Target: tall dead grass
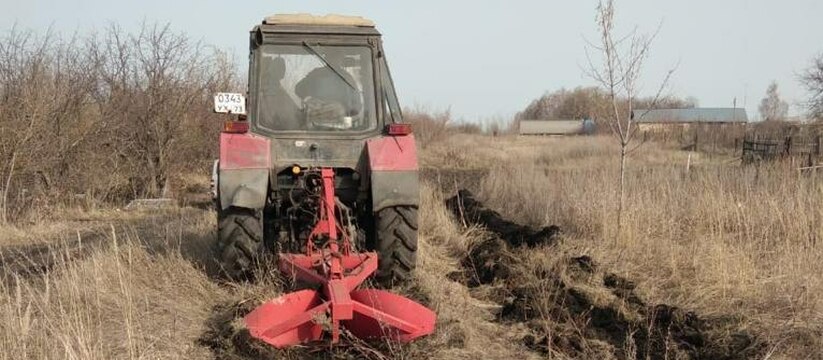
(139, 290)
(117, 303)
(722, 239)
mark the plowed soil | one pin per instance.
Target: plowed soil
(576, 309)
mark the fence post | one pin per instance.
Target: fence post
(788, 145)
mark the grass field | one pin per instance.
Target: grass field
(738, 246)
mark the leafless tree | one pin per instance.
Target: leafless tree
(772, 107)
(23, 73)
(813, 80)
(578, 103)
(155, 88)
(112, 115)
(618, 72)
(430, 126)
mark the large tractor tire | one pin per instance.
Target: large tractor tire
(396, 244)
(239, 241)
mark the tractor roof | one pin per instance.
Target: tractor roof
(317, 24)
(309, 19)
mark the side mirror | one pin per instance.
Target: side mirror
(230, 103)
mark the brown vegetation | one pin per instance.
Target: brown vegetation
(722, 240)
(434, 126)
(736, 246)
(104, 117)
(428, 126)
(589, 103)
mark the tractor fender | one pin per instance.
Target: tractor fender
(243, 170)
(244, 188)
(393, 171)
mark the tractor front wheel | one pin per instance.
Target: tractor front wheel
(239, 240)
(396, 243)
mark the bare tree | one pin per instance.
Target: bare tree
(578, 103)
(430, 126)
(23, 75)
(618, 73)
(772, 107)
(155, 82)
(813, 80)
(111, 116)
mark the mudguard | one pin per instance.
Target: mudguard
(243, 177)
(393, 171)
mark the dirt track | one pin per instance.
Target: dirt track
(159, 231)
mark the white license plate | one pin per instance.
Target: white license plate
(230, 103)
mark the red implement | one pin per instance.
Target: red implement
(303, 316)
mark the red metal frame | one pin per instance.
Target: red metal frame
(392, 153)
(367, 313)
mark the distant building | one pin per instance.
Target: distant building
(664, 119)
(556, 127)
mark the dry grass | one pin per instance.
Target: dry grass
(143, 290)
(722, 240)
(117, 301)
(138, 285)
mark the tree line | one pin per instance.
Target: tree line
(106, 116)
(591, 103)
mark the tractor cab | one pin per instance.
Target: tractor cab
(319, 95)
(319, 76)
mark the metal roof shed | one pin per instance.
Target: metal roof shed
(553, 127)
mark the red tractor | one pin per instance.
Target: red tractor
(322, 171)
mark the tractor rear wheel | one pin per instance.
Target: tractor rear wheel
(396, 243)
(239, 240)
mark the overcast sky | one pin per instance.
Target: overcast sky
(484, 58)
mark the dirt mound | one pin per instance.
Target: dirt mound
(228, 339)
(469, 210)
(451, 180)
(574, 308)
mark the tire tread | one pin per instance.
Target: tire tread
(396, 245)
